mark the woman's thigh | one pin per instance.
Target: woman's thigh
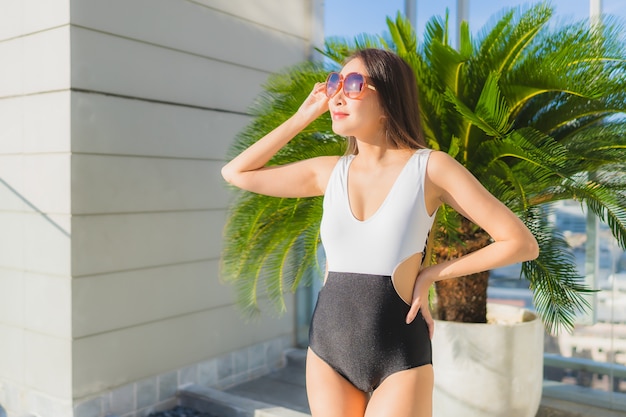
(330, 394)
(406, 393)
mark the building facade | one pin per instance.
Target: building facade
(114, 121)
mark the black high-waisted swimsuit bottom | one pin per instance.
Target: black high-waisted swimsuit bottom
(359, 328)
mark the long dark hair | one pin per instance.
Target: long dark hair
(396, 87)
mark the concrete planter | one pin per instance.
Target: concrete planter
(489, 370)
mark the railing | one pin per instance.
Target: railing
(583, 364)
(582, 394)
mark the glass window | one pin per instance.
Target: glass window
(598, 342)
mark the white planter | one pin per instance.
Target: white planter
(489, 370)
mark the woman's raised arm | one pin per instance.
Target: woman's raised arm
(304, 178)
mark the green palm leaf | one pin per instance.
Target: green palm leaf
(556, 285)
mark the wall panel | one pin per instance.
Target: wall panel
(149, 295)
(23, 17)
(11, 297)
(35, 183)
(203, 31)
(47, 305)
(115, 243)
(35, 63)
(134, 353)
(48, 364)
(12, 358)
(35, 242)
(292, 17)
(44, 128)
(112, 184)
(112, 125)
(109, 64)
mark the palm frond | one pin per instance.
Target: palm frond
(525, 144)
(558, 289)
(536, 111)
(404, 40)
(447, 64)
(338, 49)
(574, 60)
(504, 44)
(605, 202)
(490, 114)
(562, 115)
(436, 29)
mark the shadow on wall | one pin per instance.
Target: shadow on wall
(44, 215)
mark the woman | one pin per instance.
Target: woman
(370, 350)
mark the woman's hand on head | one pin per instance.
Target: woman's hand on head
(420, 301)
(315, 104)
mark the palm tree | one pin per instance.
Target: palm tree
(536, 112)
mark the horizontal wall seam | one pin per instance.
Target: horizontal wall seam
(22, 327)
(149, 212)
(58, 153)
(157, 101)
(115, 155)
(145, 268)
(149, 322)
(141, 156)
(34, 272)
(170, 48)
(25, 35)
(302, 38)
(35, 93)
(36, 212)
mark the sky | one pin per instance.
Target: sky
(347, 18)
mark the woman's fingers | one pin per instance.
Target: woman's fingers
(415, 307)
(428, 318)
(316, 102)
(319, 88)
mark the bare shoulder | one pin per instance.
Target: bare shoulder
(317, 165)
(323, 166)
(327, 161)
(447, 176)
(440, 160)
(442, 167)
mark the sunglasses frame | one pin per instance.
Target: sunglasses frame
(341, 85)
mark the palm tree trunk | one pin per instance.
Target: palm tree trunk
(463, 299)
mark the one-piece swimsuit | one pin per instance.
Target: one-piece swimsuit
(359, 323)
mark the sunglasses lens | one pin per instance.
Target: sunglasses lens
(332, 84)
(353, 85)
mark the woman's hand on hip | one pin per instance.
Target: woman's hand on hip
(420, 301)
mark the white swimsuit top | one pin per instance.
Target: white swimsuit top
(397, 230)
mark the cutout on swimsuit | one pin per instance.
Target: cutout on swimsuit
(404, 276)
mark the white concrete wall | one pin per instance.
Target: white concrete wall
(114, 120)
(35, 207)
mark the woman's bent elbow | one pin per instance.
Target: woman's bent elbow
(532, 249)
(227, 174)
